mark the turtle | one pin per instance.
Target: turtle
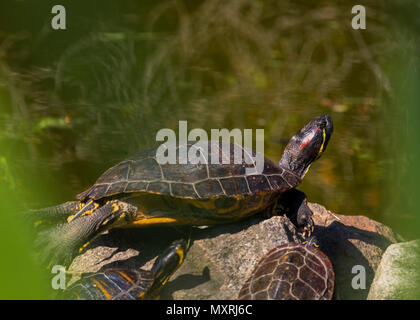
(292, 271)
(128, 283)
(141, 191)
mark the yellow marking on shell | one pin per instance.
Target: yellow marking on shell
(141, 295)
(126, 276)
(260, 206)
(208, 204)
(146, 221)
(142, 219)
(260, 203)
(152, 221)
(234, 207)
(104, 291)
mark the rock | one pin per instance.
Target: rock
(217, 264)
(221, 258)
(351, 241)
(230, 253)
(398, 274)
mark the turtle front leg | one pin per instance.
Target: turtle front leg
(304, 219)
(295, 205)
(61, 244)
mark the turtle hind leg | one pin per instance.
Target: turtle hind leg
(295, 205)
(86, 208)
(59, 245)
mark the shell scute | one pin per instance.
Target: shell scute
(143, 173)
(301, 272)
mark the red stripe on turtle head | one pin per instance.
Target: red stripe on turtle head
(308, 139)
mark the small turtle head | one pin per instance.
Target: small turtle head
(307, 145)
(312, 241)
(168, 262)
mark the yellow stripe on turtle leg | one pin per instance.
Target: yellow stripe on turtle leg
(83, 247)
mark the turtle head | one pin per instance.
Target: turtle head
(311, 242)
(168, 262)
(307, 145)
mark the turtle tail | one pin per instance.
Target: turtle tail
(51, 216)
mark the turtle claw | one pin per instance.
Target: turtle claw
(304, 219)
(307, 231)
(306, 224)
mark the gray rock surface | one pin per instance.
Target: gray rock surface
(230, 253)
(398, 274)
(351, 241)
(219, 261)
(222, 257)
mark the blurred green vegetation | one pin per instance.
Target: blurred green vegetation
(74, 102)
(20, 276)
(403, 67)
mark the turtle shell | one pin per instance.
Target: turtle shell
(111, 284)
(228, 177)
(292, 271)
